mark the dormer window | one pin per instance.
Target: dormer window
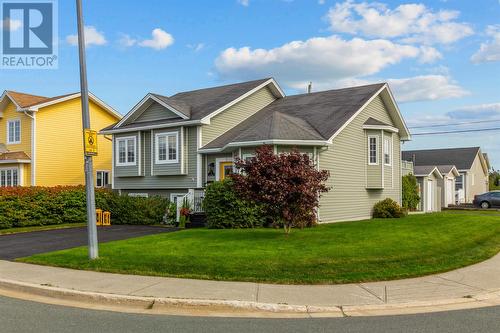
(14, 131)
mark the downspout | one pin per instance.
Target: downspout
(33, 146)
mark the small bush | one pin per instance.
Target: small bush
(388, 208)
(32, 206)
(225, 209)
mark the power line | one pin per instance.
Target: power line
(457, 124)
(460, 131)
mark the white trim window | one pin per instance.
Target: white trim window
(372, 150)
(9, 177)
(126, 151)
(14, 131)
(167, 148)
(102, 178)
(387, 151)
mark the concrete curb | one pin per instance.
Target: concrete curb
(227, 308)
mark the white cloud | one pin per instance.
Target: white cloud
(475, 112)
(196, 47)
(426, 87)
(429, 55)
(11, 25)
(244, 2)
(489, 51)
(92, 37)
(319, 59)
(127, 41)
(161, 40)
(412, 23)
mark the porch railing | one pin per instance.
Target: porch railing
(195, 199)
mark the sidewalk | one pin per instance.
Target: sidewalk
(461, 288)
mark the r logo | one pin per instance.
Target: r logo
(27, 28)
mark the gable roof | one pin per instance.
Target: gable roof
(462, 158)
(27, 102)
(427, 170)
(446, 169)
(198, 106)
(307, 117)
(14, 156)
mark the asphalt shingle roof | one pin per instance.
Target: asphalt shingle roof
(314, 116)
(423, 170)
(462, 158)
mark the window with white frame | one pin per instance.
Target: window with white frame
(9, 177)
(372, 150)
(102, 178)
(14, 131)
(167, 150)
(126, 151)
(387, 151)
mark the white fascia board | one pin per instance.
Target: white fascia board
(356, 114)
(382, 127)
(6, 94)
(93, 97)
(245, 95)
(266, 142)
(142, 102)
(385, 86)
(148, 127)
(14, 161)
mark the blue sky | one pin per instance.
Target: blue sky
(441, 58)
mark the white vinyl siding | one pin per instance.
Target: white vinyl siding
(14, 131)
(167, 148)
(126, 150)
(9, 177)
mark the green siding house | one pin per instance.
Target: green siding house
(174, 146)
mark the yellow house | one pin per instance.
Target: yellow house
(41, 140)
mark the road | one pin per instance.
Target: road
(23, 316)
(29, 243)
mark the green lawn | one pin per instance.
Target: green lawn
(335, 253)
(40, 228)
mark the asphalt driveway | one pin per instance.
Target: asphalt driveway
(29, 243)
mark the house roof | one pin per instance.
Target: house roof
(374, 122)
(14, 155)
(462, 158)
(33, 102)
(313, 116)
(426, 170)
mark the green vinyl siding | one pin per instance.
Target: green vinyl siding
(155, 111)
(347, 161)
(169, 169)
(125, 170)
(235, 114)
(374, 172)
(155, 182)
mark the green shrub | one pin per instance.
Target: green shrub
(411, 197)
(225, 209)
(32, 206)
(388, 208)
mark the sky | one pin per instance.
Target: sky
(441, 58)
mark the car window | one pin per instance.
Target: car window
(495, 194)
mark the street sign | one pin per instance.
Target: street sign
(90, 142)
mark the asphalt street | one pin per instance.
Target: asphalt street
(29, 243)
(24, 316)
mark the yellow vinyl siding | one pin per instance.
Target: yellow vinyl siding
(59, 143)
(10, 113)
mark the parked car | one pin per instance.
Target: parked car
(487, 200)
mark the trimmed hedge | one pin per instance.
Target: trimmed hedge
(226, 210)
(32, 206)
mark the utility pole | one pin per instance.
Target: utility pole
(88, 167)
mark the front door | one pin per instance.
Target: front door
(430, 195)
(225, 170)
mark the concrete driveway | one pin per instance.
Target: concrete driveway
(29, 243)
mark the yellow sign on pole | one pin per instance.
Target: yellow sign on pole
(90, 142)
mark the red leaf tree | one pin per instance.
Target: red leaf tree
(289, 185)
